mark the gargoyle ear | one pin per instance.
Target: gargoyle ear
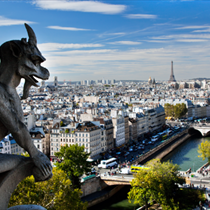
(16, 49)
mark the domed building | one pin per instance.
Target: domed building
(149, 81)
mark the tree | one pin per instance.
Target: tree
(158, 183)
(204, 150)
(54, 194)
(74, 162)
(168, 110)
(176, 111)
(180, 110)
(141, 192)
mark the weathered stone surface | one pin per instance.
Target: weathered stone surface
(19, 59)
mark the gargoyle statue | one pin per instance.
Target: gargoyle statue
(20, 59)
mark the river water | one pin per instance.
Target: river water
(186, 156)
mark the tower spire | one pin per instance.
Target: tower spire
(172, 78)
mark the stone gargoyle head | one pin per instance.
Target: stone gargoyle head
(25, 59)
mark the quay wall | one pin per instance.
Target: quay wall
(91, 186)
(105, 197)
(163, 149)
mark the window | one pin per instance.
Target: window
(86, 140)
(38, 146)
(80, 140)
(86, 135)
(76, 139)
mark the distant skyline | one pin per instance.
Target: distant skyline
(115, 39)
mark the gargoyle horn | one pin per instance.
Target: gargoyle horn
(32, 37)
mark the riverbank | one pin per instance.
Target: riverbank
(159, 152)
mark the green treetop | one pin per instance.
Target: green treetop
(74, 162)
(175, 111)
(54, 194)
(204, 150)
(158, 183)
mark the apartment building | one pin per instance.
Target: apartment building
(89, 135)
(126, 119)
(107, 140)
(5, 146)
(84, 134)
(142, 125)
(119, 130)
(133, 129)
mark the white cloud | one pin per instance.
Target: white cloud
(59, 46)
(158, 41)
(125, 42)
(202, 31)
(192, 27)
(129, 64)
(183, 36)
(68, 28)
(8, 22)
(141, 16)
(81, 52)
(112, 34)
(192, 40)
(80, 6)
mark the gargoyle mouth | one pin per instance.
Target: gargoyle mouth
(32, 80)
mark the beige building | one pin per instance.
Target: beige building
(84, 134)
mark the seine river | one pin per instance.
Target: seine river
(186, 156)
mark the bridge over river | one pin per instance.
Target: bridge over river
(204, 130)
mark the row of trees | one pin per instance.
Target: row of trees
(175, 111)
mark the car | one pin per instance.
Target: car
(126, 154)
(124, 171)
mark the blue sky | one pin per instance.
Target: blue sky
(114, 39)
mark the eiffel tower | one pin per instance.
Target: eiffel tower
(172, 78)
